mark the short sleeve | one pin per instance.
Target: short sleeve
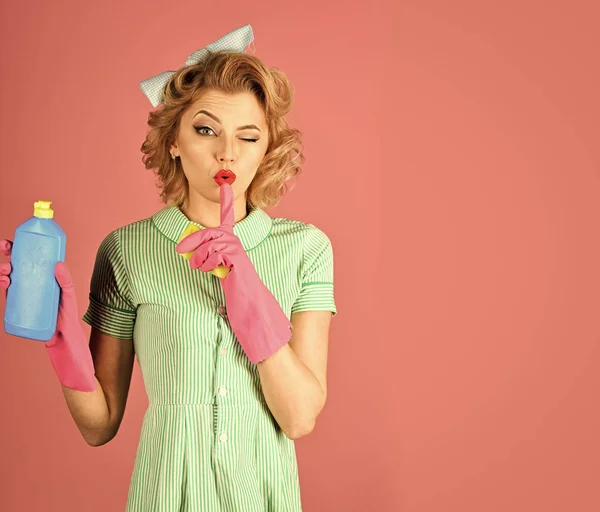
(316, 293)
(111, 309)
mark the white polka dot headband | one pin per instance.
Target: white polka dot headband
(236, 40)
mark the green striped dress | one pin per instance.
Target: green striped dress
(208, 439)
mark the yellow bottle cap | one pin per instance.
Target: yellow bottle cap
(42, 210)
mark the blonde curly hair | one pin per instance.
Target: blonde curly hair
(230, 72)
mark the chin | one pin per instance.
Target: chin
(207, 193)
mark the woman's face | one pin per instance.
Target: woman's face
(221, 131)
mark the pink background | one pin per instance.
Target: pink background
(452, 158)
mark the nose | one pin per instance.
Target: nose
(226, 153)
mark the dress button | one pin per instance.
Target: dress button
(223, 437)
(223, 391)
(222, 311)
(223, 351)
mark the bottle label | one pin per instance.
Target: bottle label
(33, 292)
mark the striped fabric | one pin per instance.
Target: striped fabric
(209, 441)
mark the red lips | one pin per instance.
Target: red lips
(223, 176)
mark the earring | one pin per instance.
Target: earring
(173, 156)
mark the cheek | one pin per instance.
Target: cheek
(247, 177)
(258, 156)
(196, 180)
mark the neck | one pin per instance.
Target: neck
(207, 213)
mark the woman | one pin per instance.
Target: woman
(230, 386)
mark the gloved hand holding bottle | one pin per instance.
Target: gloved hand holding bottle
(256, 317)
(68, 349)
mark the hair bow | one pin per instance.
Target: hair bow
(236, 40)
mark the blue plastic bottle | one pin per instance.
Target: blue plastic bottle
(33, 294)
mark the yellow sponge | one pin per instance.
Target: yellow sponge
(220, 271)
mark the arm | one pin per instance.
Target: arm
(98, 413)
(97, 374)
(111, 315)
(294, 379)
(292, 371)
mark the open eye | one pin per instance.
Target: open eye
(200, 128)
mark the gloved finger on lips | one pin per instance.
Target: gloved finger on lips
(227, 211)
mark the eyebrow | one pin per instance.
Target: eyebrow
(245, 127)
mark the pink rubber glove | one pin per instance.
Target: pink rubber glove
(68, 349)
(256, 317)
